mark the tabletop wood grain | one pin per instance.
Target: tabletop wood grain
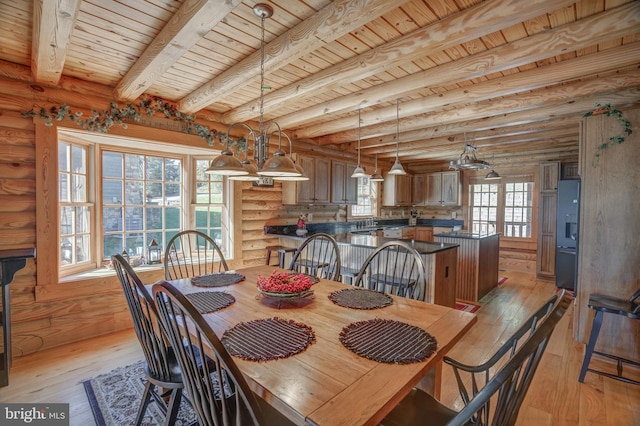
(328, 384)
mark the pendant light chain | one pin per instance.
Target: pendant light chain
(261, 125)
(397, 127)
(359, 109)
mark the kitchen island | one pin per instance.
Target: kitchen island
(477, 269)
(440, 260)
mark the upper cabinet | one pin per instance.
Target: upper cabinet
(396, 190)
(437, 189)
(344, 188)
(316, 190)
(549, 172)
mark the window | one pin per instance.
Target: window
(141, 201)
(505, 207)
(131, 198)
(75, 209)
(367, 198)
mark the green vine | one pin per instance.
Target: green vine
(610, 112)
(102, 121)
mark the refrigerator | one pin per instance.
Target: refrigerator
(567, 237)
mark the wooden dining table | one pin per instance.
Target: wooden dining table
(328, 384)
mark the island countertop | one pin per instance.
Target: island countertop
(467, 234)
(372, 241)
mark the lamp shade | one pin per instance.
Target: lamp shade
(303, 176)
(397, 169)
(279, 165)
(226, 164)
(358, 172)
(493, 175)
(252, 172)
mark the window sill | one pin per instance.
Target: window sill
(106, 272)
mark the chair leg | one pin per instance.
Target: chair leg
(595, 330)
(144, 403)
(268, 260)
(173, 407)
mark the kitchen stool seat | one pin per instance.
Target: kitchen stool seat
(601, 303)
(282, 251)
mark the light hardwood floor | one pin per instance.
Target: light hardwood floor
(555, 397)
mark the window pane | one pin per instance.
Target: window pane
(63, 157)
(172, 218)
(154, 219)
(63, 185)
(111, 165)
(172, 170)
(154, 168)
(82, 220)
(134, 193)
(112, 191)
(134, 218)
(112, 219)
(79, 194)
(134, 166)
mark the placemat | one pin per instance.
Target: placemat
(388, 341)
(210, 301)
(267, 339)
(360, 298)
(219, 279)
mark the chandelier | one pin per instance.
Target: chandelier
(280, 166)
(467, 160)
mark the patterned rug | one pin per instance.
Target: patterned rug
(466, 307)
(115, 396)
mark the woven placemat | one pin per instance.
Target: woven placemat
(267, 339)
(219, 279)
(358, 298)
(210, 301)
(388, 341)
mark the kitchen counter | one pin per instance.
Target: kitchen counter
(466, 234)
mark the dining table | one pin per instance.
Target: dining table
(328, 383)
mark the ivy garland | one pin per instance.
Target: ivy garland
(102, 121)
(610, 112)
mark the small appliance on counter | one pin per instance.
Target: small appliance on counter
(413, 217)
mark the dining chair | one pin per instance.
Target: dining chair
(318, 255)
(219, 392)
(508, 373)
(162, 371)
(395, 268)
(192, 253)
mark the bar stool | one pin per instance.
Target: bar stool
(282, 251)
(602, 303)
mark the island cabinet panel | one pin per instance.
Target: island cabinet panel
(316, 190)
(344, 188)
(477, 265)
(424, 233)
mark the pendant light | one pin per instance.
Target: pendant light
(247, 165)
(280, 164)
(376, 176)
(492, 175)
(302, 176)
(359, 171)
(468, 160)
(397, 168)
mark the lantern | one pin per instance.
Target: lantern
(125, 255)
(66, 250)
(153, 252)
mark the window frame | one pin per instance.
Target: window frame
(374, 190)
(500, 214)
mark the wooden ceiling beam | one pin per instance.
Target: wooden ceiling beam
(187, 26)
(496, 107)
(335, 20)
(582, 34)
(536, 78)
(53, 22)
(468, 24)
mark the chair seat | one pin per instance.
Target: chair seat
(614, 305)
(416, 408)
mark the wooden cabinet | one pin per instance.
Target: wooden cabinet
(547, 207)
(396, 190)
(442, 189)
(344, 188)
(419, 193)
(316, 190)
(424, 233)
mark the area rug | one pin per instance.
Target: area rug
(467, 307)
(501, 280)
(115, 396)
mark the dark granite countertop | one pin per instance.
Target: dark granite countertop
(359, 240)
(467, 235)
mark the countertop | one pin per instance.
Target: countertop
(371, 241)
(467, 235)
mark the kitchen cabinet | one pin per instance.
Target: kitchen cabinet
(344, 188)
(424, 233)
(547, 207)
(419, 193)
(396, 190)
(316, 190)
(443, 189)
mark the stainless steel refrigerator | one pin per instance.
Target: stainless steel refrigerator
(567, 237)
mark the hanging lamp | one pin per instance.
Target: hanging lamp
(376, 176)
(359, 171)
(492, 175)
(226, 163)
(302, 176)
(467, 160)
(249, 167)
(397, 168)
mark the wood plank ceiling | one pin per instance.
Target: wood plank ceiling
(513, 77)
